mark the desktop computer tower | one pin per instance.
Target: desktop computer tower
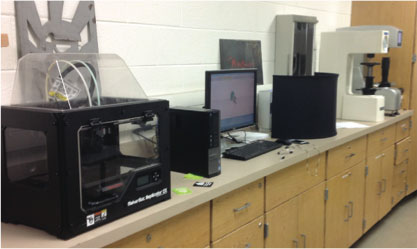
(195, 141)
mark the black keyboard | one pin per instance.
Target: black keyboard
(251, 150)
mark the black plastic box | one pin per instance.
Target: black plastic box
(195, 141)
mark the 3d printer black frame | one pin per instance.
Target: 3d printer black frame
(57, 208)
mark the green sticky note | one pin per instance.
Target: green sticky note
(181, 191)
(192, 177)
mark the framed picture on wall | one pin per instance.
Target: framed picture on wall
(241, 54)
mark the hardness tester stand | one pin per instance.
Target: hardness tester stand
(81, 144)
(337, 56)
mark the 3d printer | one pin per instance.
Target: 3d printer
(81, 144)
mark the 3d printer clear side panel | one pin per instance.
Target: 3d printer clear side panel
(69, 81)
(111, 154)
(26, 157)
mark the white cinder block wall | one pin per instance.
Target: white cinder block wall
(169, 45)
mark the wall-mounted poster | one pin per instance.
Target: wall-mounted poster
(241, 54)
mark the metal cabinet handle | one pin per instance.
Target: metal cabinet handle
(347, 219)
(247, 204)
(385, 185)
(402, 171)
(406, 150)
(351, 209)
(350, 155)
(384, 139)
(247, 245)
(379, 156)
(148, 237)
(295, 243)
(400, 193)
(346, 175)
(304, 239)
(404, 126)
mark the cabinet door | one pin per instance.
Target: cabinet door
(311, 217)
(189, 229)
(387, 171)
(288, 183)
(356, 202)
(249, 235)
(337, 210)
(282, 222)
(373, 189)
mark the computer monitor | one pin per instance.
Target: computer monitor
(233, 92)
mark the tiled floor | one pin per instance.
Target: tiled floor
(397, 229)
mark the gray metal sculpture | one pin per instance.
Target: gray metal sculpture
(33, 37)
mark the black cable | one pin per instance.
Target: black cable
(233, 138)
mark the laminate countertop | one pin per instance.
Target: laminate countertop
(234, 174)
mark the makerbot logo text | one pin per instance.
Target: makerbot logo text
(148, 197)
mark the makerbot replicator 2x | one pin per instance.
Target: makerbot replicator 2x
(81, 144)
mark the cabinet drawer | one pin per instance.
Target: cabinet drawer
(398, 193)
(237, 208)
(403, 130)
(346, 156)
(289, 182)
(400, 174)
(380, 140)
(189, 229)
(249, 235)
(402, 150)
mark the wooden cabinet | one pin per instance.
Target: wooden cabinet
(402, 150)
(189, 229)
(249, 235)
(299, 222)
(398, 193)
(296, 206)
(345, 156)
(401, 171)
(282, 225)
(400, 174)
(387, 168)
(403, 129)
(411, 177)
(379, 174)
(344, 207)
(287, 183)
(380, 140)
(237, 208)
(311, 217)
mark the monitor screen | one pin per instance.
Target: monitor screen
(233, 92)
